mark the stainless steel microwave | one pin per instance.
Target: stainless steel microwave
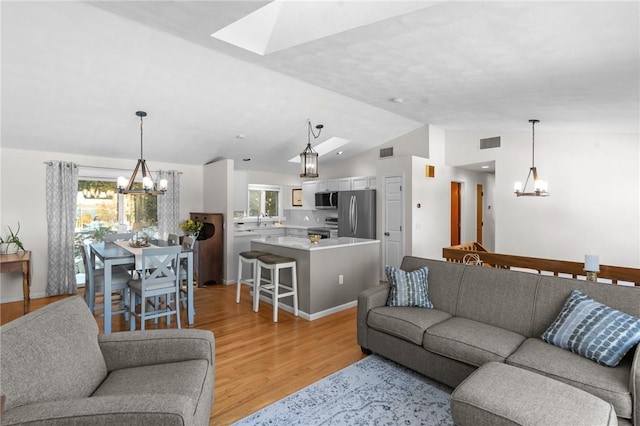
(327, 200)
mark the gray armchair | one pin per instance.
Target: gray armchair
(55, 369)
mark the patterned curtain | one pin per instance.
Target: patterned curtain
(169, 204)
(62, 190)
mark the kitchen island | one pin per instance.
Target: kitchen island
(331, 273)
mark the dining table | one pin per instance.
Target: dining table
(112, 254)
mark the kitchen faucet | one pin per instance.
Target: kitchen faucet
(259, 216)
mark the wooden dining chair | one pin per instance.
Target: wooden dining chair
(160, 282)
(94, 283)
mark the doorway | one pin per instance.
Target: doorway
(456, 197)
(479, 218)
(393, 242)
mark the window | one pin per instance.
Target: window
(264, 199)
(101, 210)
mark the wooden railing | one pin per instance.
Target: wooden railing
(613, 274)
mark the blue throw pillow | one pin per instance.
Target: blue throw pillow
(593, 330)
(408, 288)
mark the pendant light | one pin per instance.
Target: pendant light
(309, 157)
(148, 185)
(540, 187)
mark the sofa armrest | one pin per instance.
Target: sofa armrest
(368, 299)
(138, 348)
(634, 386)
(105, 410)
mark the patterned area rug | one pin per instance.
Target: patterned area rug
(373, 391)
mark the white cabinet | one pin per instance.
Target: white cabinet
(297, 232)
(270, 232)
(321, 185)
(344, 184)
(363, 182)
(333, 185)
(309, 194)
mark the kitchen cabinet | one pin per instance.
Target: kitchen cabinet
(309, 194)
(344, 184)
(333, 185)
(270, 232)
(297, 232)
(363, 182)
(208, 250)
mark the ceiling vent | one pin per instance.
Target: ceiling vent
(386, 152)
(487, 143)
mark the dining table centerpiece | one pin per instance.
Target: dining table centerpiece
(191, 227)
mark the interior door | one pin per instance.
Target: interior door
(479, 218)
(456, 192)
(393, 247)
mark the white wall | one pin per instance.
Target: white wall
(22, 183)
(594, 182)
(217, 197)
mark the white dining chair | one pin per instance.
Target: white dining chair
(173, 239)
(94, 283)
(183, 275)
(160, 279)
(111, 237)
(124, 236)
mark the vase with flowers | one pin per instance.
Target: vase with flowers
(191, 227)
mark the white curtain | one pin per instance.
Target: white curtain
(62, 191)
(169, 204)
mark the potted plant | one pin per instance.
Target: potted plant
(11, 243)
(191, 227)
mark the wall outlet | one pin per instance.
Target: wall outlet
(340, 279)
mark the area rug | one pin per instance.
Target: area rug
(373, 391)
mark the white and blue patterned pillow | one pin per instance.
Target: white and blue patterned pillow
(593, 330)
(408, 288)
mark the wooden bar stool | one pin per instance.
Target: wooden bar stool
(248, 257)
(273, 286)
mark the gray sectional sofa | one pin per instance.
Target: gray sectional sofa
(486, 315)
(55, 369)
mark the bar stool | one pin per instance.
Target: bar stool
(274, 264)
(248, 257)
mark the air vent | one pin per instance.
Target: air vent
(490, 143)
(386, 152)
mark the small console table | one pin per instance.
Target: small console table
(19, 262)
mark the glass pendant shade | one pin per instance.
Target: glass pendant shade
(309, 163)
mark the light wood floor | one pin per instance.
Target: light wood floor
(257, 362)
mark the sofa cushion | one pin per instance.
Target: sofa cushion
(470, 341)
(408, 288)
(553, 292)
(65, 363)
(593, 330)
(184, 378)
(498, 297)
(500, 394)
(408, 323)
(444, 280)
(610, 384)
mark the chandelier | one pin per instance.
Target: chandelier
(148, 185)
(540, 187)
(309, 157)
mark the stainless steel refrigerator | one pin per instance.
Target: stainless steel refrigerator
(357, 214)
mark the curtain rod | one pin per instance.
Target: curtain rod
(106, 168)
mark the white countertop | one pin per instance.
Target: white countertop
(305, 244)
(241, 231)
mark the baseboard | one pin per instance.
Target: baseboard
(311, 317)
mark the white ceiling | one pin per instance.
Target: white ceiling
(74, 73)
